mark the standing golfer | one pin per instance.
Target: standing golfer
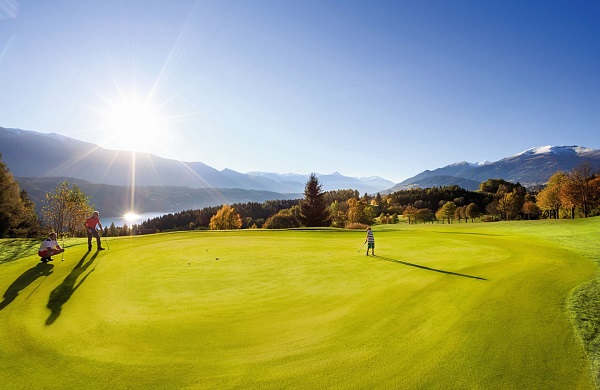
(370, 240)
(49, 248)
(90, 227)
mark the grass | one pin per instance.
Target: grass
(477, 306)
(15, 248)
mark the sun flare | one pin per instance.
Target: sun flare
(134, 123)
(131, 217)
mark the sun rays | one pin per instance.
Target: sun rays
(134, 123)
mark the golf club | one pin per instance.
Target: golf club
(106, 241)
(362, 246)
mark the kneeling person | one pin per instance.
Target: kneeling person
(49, 248)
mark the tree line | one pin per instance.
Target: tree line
(566, 195)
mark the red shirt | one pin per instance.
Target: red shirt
(92, 222)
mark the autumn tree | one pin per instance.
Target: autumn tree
(284, 219)
(339, 213)
(225, 219)
(446, 212)
(360, 212)
(410, 213)
(577, 191)
(459, 213)
(314, 211)
(495, 185)
(424, 215)
(548, 199)
(530, 210)
(509, 205)
(595, 189)
(472, 211)
(66, 209)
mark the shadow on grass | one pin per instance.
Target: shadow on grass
(61, 294)
(24, 280)
(16, 248)
(473, 234)
(430, 269)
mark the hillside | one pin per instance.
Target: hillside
(531, 167)
(117, 200)
(27, 153)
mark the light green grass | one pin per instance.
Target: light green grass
(469, 306)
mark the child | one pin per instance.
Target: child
(371, 242)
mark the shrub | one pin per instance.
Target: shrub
(357, 226)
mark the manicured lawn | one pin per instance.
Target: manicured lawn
(441, 306)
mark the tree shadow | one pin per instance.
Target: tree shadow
(61, 294)
(24, 280)
(16, 248)
(431, 269)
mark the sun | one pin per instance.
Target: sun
(130, 217)
(133, 123)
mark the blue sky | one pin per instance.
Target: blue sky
(386, 88)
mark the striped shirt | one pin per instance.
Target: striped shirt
(370, 238)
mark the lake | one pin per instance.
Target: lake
(131, 219)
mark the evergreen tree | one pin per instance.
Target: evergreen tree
(17, 212)
(314, 211)
(29, 224)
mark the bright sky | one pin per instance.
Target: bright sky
(385, 88)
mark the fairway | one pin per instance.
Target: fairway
(461, 306)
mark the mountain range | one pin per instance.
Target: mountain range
(115, 201)
(41, 161)
(33, 154)
(532, 167)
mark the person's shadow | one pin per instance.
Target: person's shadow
(61, 294)
(430, 269)
(27, 278)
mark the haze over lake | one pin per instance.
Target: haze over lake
(131, 219)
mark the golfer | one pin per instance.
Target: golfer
(370, 241)
(90, 227)
(49, 248)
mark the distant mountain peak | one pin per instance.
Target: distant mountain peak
(555, 150)
(469, 164)
(531, 167)
(459, 164)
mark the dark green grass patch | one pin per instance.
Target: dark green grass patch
(15, 248)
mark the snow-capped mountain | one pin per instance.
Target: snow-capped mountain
(564, 150)
(531, 167)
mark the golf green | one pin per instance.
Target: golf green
(465, 306)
